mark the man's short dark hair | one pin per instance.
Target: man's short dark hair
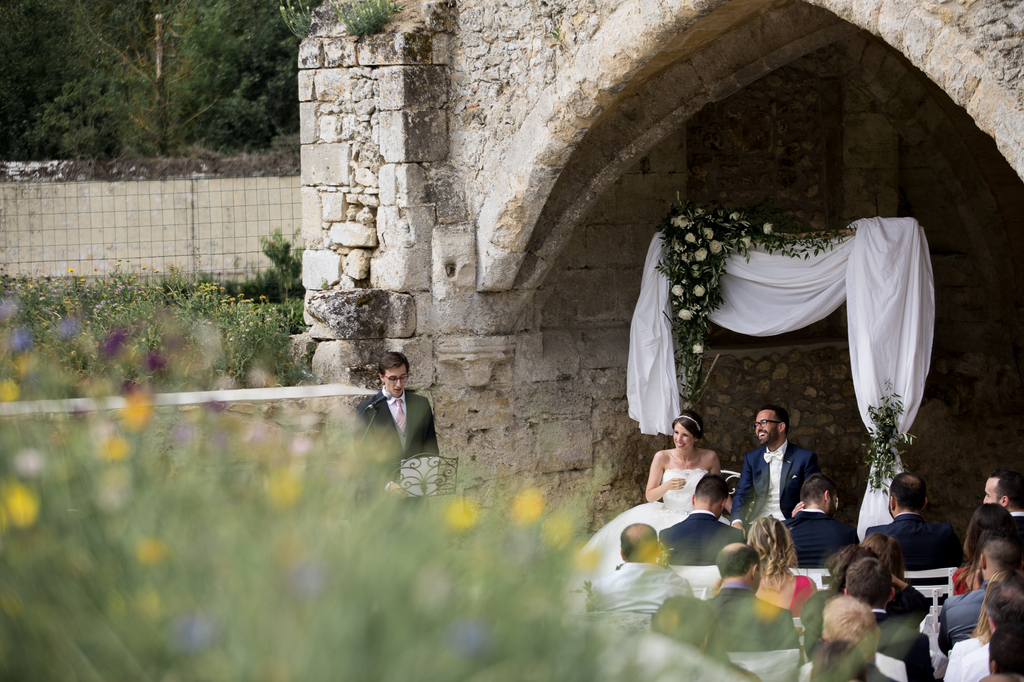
(909, 490)
(780, 413)
(1002, 548)
(1011, 486)
(815, 487)
(1006, 648)
(1004, 601)
(637, 540)
(390, 360)
(735, 560)
(869, 580)
(711, 489)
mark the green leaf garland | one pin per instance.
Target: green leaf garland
(697, 243)
(886, 443)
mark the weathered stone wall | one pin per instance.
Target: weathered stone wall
(499, 171)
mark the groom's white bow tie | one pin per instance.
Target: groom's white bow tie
(773, 454)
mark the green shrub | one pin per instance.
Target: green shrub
(365, 17)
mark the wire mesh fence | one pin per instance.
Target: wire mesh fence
(200, 225)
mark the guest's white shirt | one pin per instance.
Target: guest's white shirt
(1017, 513)
(958, 656)
(772, 506)
(640, 588)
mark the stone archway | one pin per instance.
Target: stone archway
(944, 44)
(449, 173)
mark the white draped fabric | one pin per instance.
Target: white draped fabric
(652, 389)
(883, 272)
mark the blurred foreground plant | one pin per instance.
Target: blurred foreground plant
(211, 547)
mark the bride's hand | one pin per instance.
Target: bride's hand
(677, 484)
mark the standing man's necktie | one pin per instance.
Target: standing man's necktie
(400, 417)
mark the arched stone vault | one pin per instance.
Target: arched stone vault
(453, 176)
(946, 42)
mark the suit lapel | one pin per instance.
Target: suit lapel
(385, 417)
(787, 466)
(761, 473)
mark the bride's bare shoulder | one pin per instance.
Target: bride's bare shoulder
(709, 461)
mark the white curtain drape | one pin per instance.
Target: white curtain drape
(652, 389)
(883, 272)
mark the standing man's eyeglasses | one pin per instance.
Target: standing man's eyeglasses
(766, 422)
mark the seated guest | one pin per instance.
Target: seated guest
(871, 582)
(986, 518)
(1005, 487)
(816, 534)
(640, 585)
(779, 586)
(1004, 603)
(925, 545)
(959, 616)
(849, 619)
(1006, 650)
(698, 539)
(839, 661)
(812, 615)
(692, 621)
(748, 623)
(908, 601)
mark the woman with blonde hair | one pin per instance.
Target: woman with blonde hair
(779, 586)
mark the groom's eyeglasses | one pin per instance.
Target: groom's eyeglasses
(766, 422)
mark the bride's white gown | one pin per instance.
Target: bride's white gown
(675, 506)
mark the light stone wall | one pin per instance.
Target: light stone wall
(210, 225)
(513, 158)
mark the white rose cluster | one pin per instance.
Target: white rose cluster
(716, 247)
(677, 291)
(698, 290)
(709, 233)
(768, 228)
(701, 254)
(698, 348)
(691, 238)
(685, 314)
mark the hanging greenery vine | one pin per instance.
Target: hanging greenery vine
(886, 443)
(697, 242)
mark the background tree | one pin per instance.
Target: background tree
(108, 78)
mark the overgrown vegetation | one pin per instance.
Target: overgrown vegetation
(111, 78)
(199, 545)
(297, 17)
(72, 336)
(280, 284)
(365, 17)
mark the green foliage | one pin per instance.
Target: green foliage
(697, 243)
(365, 17)
(297, 17)
(73, 336)
(886, 441)
(110, 78)
(196, 545)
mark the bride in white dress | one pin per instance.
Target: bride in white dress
(670, 486)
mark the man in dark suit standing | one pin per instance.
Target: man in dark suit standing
(816, 534)
(398, 423)
(697, 540)
(749, 623)
(925, 545)
(870, 581)
(773, 474)
(1006, 487)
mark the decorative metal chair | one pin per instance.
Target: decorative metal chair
(429, 475)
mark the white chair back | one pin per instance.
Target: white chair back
(893, 668)
(699, 577)
(820, 576)
(782, 665)
(935, 592)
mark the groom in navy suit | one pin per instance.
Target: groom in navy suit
(773, 474)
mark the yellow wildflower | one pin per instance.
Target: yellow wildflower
(461, 514)
(151, 551)
(9, 391)
(587, 559)
(138, 411)
(557, 530)
(21, 504)
(114, 449)
(284, 488)
(528, 506)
